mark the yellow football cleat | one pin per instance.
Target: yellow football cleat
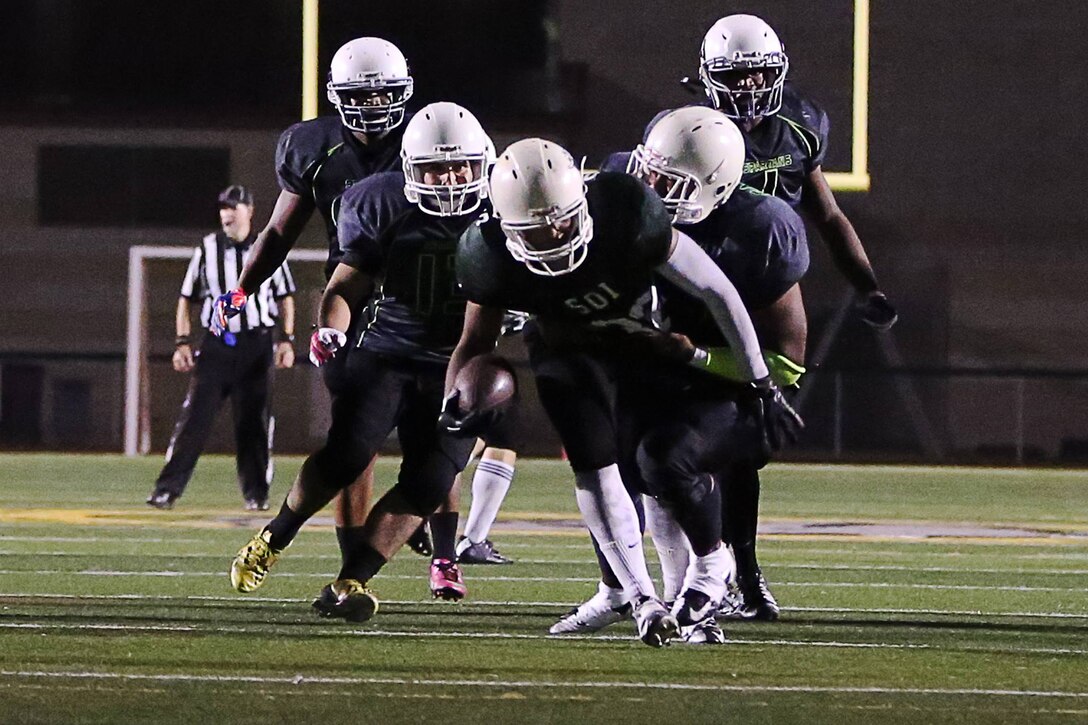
(346, 599)
(250, 566)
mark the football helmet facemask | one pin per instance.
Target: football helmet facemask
(743, 65)
(369, 84)
(448, 136)
(539, 196)
(693, 158)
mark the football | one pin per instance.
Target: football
(486, 383)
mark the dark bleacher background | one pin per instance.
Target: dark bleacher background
(975, 221)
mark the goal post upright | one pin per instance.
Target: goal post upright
(137, 433)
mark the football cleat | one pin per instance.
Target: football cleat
(256, 504)
(252, 562)
(692, 607)
(163, 500)
(732, 603)
(346, 599)
(750, 598)
(602, 609)
(656, 625)
(446, 581)
(705, 632)
(483, 552)
(420, 541)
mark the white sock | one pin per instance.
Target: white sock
(707, 573)
(672, 547)
(489, 486)
(610, 515)
(615, 597)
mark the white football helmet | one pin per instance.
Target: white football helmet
(438, 134)
(369, 84)
(743, 43)
(693, 157)
(538, 194)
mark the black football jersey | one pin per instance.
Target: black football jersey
(417, 310)
(321, 158)
(760, 244)
(611, 289)
(784, 148)
(756, 239)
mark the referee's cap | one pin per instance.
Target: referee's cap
(234, 195)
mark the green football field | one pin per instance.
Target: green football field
(918, 595)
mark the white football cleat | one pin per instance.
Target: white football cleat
(693, 607)
(602, 609)
(706, 632)
(656, 625)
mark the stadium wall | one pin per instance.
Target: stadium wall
(974, 221)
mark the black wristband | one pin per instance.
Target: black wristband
(284, 337)
(182, 340)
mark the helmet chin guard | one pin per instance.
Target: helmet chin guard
(445, 133)
(535, 186)
(698, 153)
(369, 84)
(739, 43)
(561, 259)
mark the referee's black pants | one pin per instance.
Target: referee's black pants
(242, 373)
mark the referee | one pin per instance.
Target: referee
(237, 365)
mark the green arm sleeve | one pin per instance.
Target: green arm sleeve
(721, 362)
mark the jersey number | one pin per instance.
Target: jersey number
(770, 182)
(594, 301)
(436, 284)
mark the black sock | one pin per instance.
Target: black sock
(444, 535)
(362, 561)
(284, 528)
(697, 513)
(740, 504)
(349, 538)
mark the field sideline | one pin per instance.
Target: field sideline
(917, 595)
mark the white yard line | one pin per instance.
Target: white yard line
(591, 562)
(97, 539)
(526, 684)
(430, 603)
(422, 634)
(528, 579)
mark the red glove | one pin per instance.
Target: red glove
(226, 306)
(324, 343)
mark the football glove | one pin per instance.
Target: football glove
(324, 344)
(226, 306)
(513, 322)
(777, 423)
(465, 425)
(878, 312)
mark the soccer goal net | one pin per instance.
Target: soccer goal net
(154, 392)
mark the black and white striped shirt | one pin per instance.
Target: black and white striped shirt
(214, 270)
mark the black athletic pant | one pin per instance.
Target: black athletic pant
(242, 373)
(381, 393)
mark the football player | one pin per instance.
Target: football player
(743, 67)
(369, 84)
(398, 233)
(492, 478)
(689, 158)
(580, 257)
